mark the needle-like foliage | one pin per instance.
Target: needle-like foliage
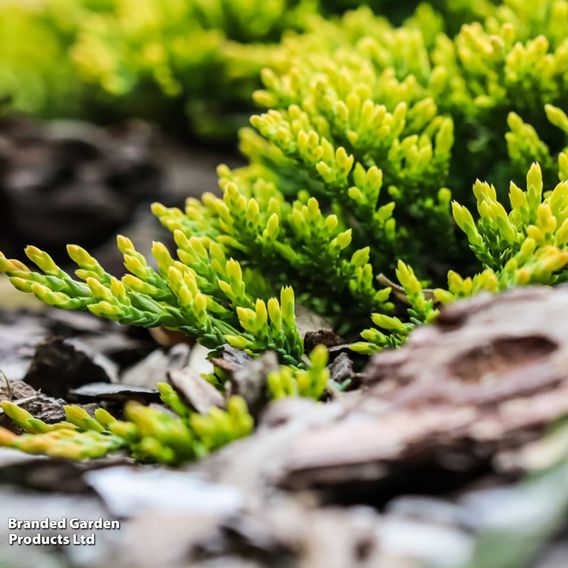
(357, 199)
(148, 434)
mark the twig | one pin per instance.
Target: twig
(399, 290)
(25, 400)
(8, 385)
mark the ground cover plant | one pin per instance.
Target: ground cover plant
(105, 60)
(109, 59)
(394, 169)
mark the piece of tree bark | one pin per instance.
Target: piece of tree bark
(489, 377)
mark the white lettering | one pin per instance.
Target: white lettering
(84, 539)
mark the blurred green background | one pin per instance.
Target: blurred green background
(106, 60)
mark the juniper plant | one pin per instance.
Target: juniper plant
(360, 172)
(203, 294)
(119, 58)
(115, 58)
(146, 433)
(347, 176)
(172, 435)
(309, 383)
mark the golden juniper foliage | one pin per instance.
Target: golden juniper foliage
(352, 170)
(146, 433)
(172, 435)
(157, 58)
(202, 293)
(309, 383)
(360, 171)
(152, 58)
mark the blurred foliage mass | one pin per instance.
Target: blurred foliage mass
(109, 59)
